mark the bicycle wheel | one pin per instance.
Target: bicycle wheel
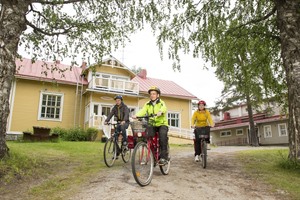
(142, 163)
(166, 168)
(110, 152)
(204, 153)
(126, 153)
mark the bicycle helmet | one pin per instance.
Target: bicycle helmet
(118, 97)
(154, 88)
(202, 102)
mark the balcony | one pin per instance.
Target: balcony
(113, 85)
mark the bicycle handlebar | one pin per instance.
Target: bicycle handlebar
(115, 123)
(146, 117)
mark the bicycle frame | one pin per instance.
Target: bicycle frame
(153, 146)
(203, 135)
(145, 157)
(112, 148)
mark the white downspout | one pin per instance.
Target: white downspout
(11, 105)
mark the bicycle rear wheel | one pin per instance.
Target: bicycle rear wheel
(142, 163)
(110, 152)
(204, 153)
(166, 168)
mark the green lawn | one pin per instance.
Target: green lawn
(57, 165)
(273, 167)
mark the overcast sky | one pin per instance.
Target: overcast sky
(143, 52)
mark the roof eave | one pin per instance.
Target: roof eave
(34, 78)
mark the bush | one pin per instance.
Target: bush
(75, 134)
(289, 164)
(60, 131)
(91, 133)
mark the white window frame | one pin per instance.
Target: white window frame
(236, 132)
(179, 121)
(226, 135)
(266, 135)
(279, 130)
(61, 106)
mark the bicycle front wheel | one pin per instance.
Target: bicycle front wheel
(142, 163)
(110, 152)
(204, 154)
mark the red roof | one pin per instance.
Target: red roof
(51, 71)
(243, 124)
(167, 88)
(56, 71)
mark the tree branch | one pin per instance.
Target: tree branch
(255, 20)
(46, 2)
(45, 32)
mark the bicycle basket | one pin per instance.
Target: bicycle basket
(138, 127)
(203, 130)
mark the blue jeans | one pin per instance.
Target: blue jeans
(122, 128)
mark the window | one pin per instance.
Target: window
(239, 132)
(51, 106)
(267, 131)
(106, 110)
(173, 120)
(96, 108)
(225, 133)
(282, 129)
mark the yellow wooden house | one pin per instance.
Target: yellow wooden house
(52, 94)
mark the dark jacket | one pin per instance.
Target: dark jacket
(120, 112)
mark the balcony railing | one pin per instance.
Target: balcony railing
(113, 85)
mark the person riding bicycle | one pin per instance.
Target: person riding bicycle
(200, 119)
(157, 107)
(121, 112)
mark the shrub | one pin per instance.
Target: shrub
(287, 163)
(60, 131)
(76, 134)
(91, 134)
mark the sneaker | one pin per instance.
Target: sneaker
(197, 158)
(162, 161)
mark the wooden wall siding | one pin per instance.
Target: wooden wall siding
(275, 139)
(114, 71)
(26, 105)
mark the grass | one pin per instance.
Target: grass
(56, 167)
(273, 167)
(56, 170)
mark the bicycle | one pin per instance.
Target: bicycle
(203, 133)
(113, 147)
(145, 155)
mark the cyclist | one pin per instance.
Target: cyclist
(121, 112)
(160, 123)
(201, 118)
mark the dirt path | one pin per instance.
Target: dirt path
(223, 179)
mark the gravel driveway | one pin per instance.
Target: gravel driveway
(222, 179)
